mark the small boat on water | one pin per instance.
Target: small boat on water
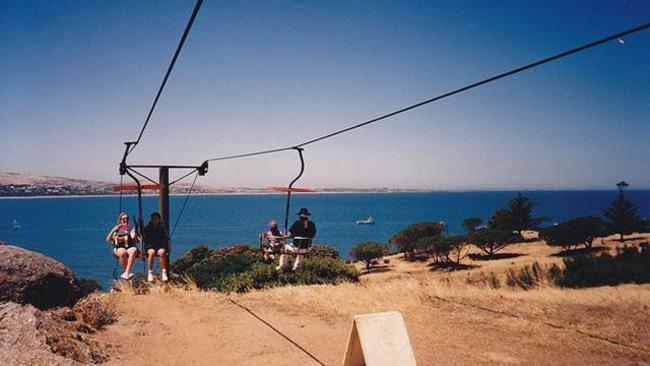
(368, 221)
(16, 225)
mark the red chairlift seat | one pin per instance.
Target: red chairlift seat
(286, 189)
(135, 187)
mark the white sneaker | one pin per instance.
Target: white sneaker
(163, 274)
(150, 276)
(127, 276)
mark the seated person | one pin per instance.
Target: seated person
(122, 236)
(303, 231)
(156, 242)
(275, 239)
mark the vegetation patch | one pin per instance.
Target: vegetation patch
(242, 268)
(628, 265)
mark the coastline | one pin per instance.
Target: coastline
(214, 194)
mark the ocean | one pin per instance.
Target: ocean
(73, 229)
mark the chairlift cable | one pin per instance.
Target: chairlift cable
(142, 175)
(517, 70)
(197, 6)
(180, 213)
(183, 177)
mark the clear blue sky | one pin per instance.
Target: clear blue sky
(78, 77)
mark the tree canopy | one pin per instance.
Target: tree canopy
(622, 217)
(492, 240)
(518, 216)
(471, 223)
(406, 239)
(575, 232)
(369, 251)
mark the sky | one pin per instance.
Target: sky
(77, 79)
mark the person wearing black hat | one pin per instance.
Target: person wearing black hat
(303, 232)
(156, 242)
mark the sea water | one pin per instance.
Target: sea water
(73, 229)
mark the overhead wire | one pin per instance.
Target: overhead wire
(187, 197)
(183, 177)
(141, 175)
(517, 70)
(188, 27)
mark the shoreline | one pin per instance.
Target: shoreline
(313, 193)
(210, 194)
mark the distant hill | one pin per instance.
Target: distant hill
(32, 185)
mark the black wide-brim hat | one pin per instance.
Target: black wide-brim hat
(303, 212)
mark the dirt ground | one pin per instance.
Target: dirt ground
(449, 322)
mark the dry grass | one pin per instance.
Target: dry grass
(449, 321)
(96, 311)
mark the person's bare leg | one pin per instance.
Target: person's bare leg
(121, 257)
(298, 261)
(162, 253)
(130, 261)
(151, 257)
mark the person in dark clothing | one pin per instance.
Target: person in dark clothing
(303, 232)
(156, 242)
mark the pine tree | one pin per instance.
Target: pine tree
(622, 216)
(518, 216)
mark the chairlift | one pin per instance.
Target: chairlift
(275, 245)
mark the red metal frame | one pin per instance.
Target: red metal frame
(285, 189)
(135, 187)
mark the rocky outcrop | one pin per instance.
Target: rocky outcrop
(29, 336)
(31, 278)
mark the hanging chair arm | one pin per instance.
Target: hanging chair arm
(302, 166)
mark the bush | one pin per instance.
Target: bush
(241, 268)
(187, 260)
(324, 251)
(491, 241)
(95, 312)
(571, 234)
(629, 265)
(211, 271)
(319, 270)
(369, 252)
(406, 240)
(325, 271)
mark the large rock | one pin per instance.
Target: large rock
(32, 278)
(29, 336)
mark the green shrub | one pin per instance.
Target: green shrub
(209, 272)
(368, 252)
(325, 270)
(241, 268)
(405, 241)
(491, 241)
(187, 260)
(324, 251)
(629, 265)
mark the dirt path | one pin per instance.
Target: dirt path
(168, 329)
(449, 322)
